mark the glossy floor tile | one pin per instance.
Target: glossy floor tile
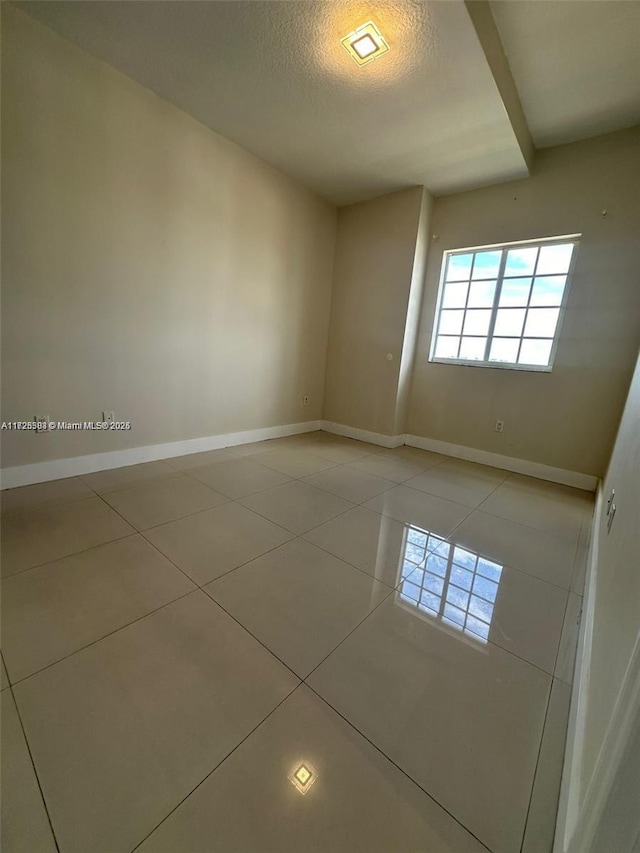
(411, 506)
(582, 555)
(438, 704)
(388, 467)
(209, 544)
(24, 825)
(463, 482)
(293, 463)
(56, 609)
(358, 802)
(344, 449)
(366, 539)
(299, 601)
(539, 832)
(543, 555)
(297, 506)
(165, 500)
(349, 484)
(545, 506)
(41, 495)
(424, 458)
(32, 538)
(199, 460)
(123, 730)
(488, 601)
(131, 475)
(430, 605)
(566, 659)
(238, 477)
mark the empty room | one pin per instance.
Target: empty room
(320, 426)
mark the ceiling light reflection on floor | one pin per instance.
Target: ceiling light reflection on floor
(303, 776)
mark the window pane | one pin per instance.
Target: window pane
(509, 322)
(477, 628)
(481, 294)
(466, 559)
(477, 322)
(515, 291)
(447, 347)
(455, 295)
(461, 577)
(454, 614)
(451, 322)
(554, 259)
(419, 537)
(484, 588)
(503, 349)
(459, 267)
(541, 322)
(486, 264)
(480, 608)
(472, 348)
(433, 583)
(535, 352)
(458, 597)
(430, 602)
(521, 261)
(489, 569)
(548, 290)
(437, 565)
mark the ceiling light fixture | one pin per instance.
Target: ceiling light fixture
(303, 776)
(365, 44)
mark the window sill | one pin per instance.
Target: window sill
(530, 368)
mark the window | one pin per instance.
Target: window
(501, 306)
(448, 583)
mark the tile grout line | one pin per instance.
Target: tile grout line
(294, 536)
(199, 587)
(33, 765)
(221, 762)
(134, 532)
(99, 639)
(535, 771)
(141, 533)
(397, 766)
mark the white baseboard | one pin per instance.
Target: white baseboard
(612, 753)
(364, 434)
(56, 469)
(570, 788)
(509, 463)
(580, 810)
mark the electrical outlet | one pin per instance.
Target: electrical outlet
(108, 417)
(42, 423)
(305, 401)
(499, 426)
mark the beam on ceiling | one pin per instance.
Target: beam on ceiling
(489, 38)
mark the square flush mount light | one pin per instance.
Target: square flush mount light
(365, 44)
(303, 776)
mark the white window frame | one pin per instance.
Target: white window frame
(504, 247)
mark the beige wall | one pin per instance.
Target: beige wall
(566, 418)
(377, 274)
(149, 265)
(616, 604)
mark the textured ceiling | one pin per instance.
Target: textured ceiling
(273, 77)
(576, 65)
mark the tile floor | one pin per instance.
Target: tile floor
(182, 637)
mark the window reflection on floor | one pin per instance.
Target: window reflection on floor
(449, 583)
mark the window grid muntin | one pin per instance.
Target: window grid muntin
(572, 240)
